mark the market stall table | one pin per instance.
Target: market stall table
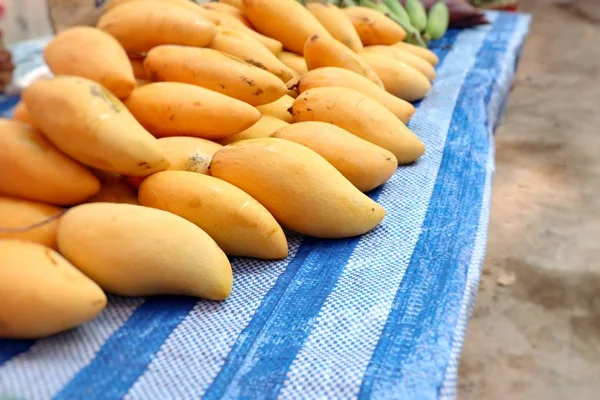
(378, 316)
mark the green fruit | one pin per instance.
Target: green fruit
(439, 18)
(418, 15)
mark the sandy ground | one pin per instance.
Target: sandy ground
(539, 337)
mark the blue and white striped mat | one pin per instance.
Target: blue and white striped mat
(379, 316)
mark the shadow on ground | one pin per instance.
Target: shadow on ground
(539, 337)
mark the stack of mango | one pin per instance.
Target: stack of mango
(174, 135)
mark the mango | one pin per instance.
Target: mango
(293, 61)
(140, 26)
(180, 109)
(406, 57)
(302, 190)
(216, 71)
(36, 170)
(91, 53)
(333, 76)
(20, 113)
(263, 128)
(364, 164)
(240, 225)
(422, 52)
(88, 123)
(337, 24)
(374, 27)
(361, 115)
(279, 108)
(30, 221)
(114, 189)
(41, 293)
(133, 250)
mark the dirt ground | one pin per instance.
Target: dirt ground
(539, 336)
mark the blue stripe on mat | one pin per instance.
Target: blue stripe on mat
(418, 323)
(7, 104)
(10, 348)
(260, 358)
(127, 353)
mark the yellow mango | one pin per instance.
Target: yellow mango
(216, 71)
(91, 53)
(364, 164)
(137, 64)
(141, 82)
(234, 3)
(279, 108)
(29, 220)
(240, 225)
(139, 251)
(265, 127)
(245, 47)
(374, 27)
(21, 113)
(422, 52)
(180, 109)
(327, 52)
(141, 25)
(229, 10)
(114, 189)
(333, 76)
(337, 24)
(42, 293)
(228, 21)
(293, 61)
(34, 169)
(192, 6)
(285, 20)
(406, 57)
(88, 123)
(399, 79)
(360, 115)
(300, 188)
(185, 154)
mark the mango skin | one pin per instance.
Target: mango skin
(140, 26)
(240, 225)
(406, 57)
(279, 108)
(273, 18)
(299, 187)
(360, 115)
(88, 123)
(180, 109)
(364, 164)
(293, 61)
(263, 128)
(38, 170)
(399, 78)
(324, 51)
(373, 27)
(216, 71)
(333, 76)
(21, 113)
(185, 154)
(17, 213)
(337, 23)
(140, 251)
(422, 52)
(41, 293)
(91, 53)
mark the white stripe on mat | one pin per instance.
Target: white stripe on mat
(350, 323)
(194, 352)
(448, 390)
(51, 363)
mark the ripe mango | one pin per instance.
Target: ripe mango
(41, 293)
(240, 225)
(337, 23)
(279, 108)
(91, 53)
(360, 115)
(263, 128)
(38, 170)
(180, 109)
(216, 71)
(139, 251)
(17, 215)
(374, 27)
(88, 123)
(300, 188)
(364, 164)
(406, 57)
(140, 26)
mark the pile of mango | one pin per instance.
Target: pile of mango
(174, 135)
